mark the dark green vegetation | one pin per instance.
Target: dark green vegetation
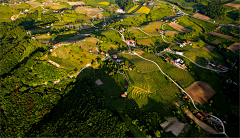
(124, 4)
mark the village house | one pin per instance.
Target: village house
(90, 50)
(199, 115)
(168, 59)
(168, 49)
(144, 4)
(204, 114)
(119, 11)
(130, 68)
(187, 97)
(167, 21)
(119, 61)
(115, 56)
(212, 64)
(160, 31)
(150, 3)
(130, 42)
(124, 95)
(129, 51)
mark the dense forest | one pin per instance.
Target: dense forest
(124, 4)
(214, 11)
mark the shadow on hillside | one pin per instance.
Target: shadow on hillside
(39, 49)
(72, 105)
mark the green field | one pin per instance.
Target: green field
(6, 12)
(152, 27)
(143, 65)
(72, 57)
(208, 27)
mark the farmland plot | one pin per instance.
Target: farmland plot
(198, 15)
(143, 65)
(179, 27)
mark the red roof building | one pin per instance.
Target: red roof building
(160, 31)
(114, 56)
(204, 114)
(124, 66)
(199, 115)
(123, 95)
(187, 97)
(168, 59)
(188, 42)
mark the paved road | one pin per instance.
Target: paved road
(194, 62)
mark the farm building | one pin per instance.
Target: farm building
(119, 11)
(199, 115)
(200, 92)
(130, 42)
(160, 31)
(115, 56)
(98, 82)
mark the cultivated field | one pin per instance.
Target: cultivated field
(233, 5)
(76, 3)
(221, 35)
(143, 65)
(234, 47)
(200, 92)
(104, 3)
(132, 9)
(208, 48)
(182, 77)
(152, 27)
(91, 12)
(171, 33)
(143, 10)
(72, 57)
(179, 27)
(34, 4)
(145, 42)
(198, 15)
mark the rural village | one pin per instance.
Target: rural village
(120, 68)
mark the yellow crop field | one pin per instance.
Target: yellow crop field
(104, 3)
(133, 9)
(143, 10)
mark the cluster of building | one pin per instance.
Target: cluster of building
(150, 4)
(119, 11)
(185, 43)
(160, 31)
(211, 120)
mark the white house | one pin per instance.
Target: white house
(119, 11)
(179, 53)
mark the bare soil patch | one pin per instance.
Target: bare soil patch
(171, 33)
(54, 54)
(221, 35)
(198, 15)
(91, 12)
(233, 5)
(208, 48)
(34, 4)
(92, 40)
(179, 27)
(76, 3)
(234, 47)
(200, 91)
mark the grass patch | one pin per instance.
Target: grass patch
(143, 65)
(145, 42)
(152, 27)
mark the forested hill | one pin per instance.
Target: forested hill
(63, 109)
(78, 114)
